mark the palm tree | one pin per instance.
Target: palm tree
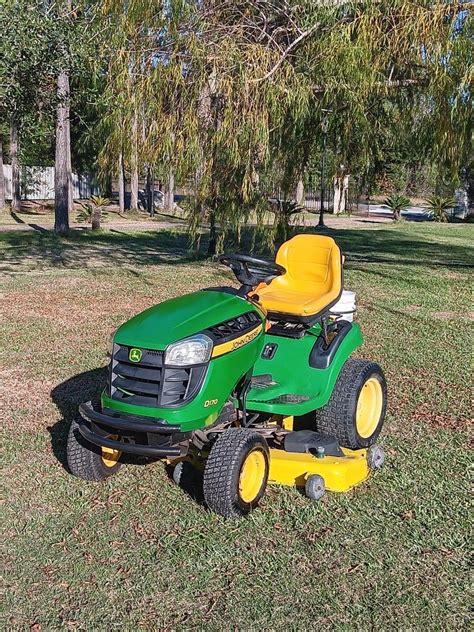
(397, 203)
(92, 212)
(440, 206)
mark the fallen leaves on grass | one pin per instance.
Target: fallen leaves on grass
(424, 412)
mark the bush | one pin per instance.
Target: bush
(91, 212)
(440, 206)
(397, 203)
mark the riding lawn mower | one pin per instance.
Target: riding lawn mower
(248, 386)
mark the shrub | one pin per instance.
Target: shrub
(397, 203)
(91, 212)
(440, 206)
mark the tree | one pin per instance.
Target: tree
(341, 188)
(45, 47)
(16, 193)
(62, 173)
(440, 206)
(121, 183)
(26, 56)
(92, 212)
(397, 203)
(241, 87)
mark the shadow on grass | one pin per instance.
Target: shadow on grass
(84, 249)
(67, 396)
(399, 247)
(35, 227)
(88, 386)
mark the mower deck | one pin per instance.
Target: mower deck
(340, 473)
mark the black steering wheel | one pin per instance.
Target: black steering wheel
(250, 271)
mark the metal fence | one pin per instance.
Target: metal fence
(37, 183)
(311, 199)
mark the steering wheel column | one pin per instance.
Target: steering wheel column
(251, 272)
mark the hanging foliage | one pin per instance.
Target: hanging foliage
(231, 94)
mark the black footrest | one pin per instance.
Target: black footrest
(303, 441)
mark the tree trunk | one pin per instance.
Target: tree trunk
(16, 195)
(69, 165)
(62, 159)
(96, 217)
(169, 195)
(121, 184)
(150, 191)
(341, 188)
(134, 165)
(300, 192)
(2, 177)
(211, 249)
(134, 187)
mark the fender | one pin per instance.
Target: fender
(297, 387)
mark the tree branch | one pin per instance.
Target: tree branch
(293, 44)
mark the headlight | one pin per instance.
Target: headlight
(194, 350)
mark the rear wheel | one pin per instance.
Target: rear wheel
(88, 461)
(356, 411)
(236, 472)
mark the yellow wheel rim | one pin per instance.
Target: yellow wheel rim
(369, 408)
(110, 457)
(252, 476)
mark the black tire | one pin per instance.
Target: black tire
(222, 474)
(85, 459)
(338, 418)
(184, 475)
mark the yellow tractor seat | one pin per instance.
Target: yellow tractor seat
(312, 282)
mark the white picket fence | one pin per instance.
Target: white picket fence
(37, 183)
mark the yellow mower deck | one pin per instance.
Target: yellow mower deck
(339, 473)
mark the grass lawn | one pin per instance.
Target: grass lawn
(136, 552)
(42, 214)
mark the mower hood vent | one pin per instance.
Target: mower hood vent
(234, 327)
(149, 383)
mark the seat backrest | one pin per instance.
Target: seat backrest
(312, 260)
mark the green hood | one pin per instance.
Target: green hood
(178, 318)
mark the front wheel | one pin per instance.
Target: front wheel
(88, 461)
(236, 472)
(355, 413)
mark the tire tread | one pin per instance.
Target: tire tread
(84, 460)
(223, 465)
(336, 418)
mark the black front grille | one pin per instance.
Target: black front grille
(234, 327)
(148, 382)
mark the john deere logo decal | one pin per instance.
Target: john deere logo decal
(135, 355)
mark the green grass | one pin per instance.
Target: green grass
(136, 551)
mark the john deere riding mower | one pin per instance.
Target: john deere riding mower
(250, 386)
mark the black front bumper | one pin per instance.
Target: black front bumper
(142, 436)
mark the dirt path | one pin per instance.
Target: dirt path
(133, 226)
(126, 226)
